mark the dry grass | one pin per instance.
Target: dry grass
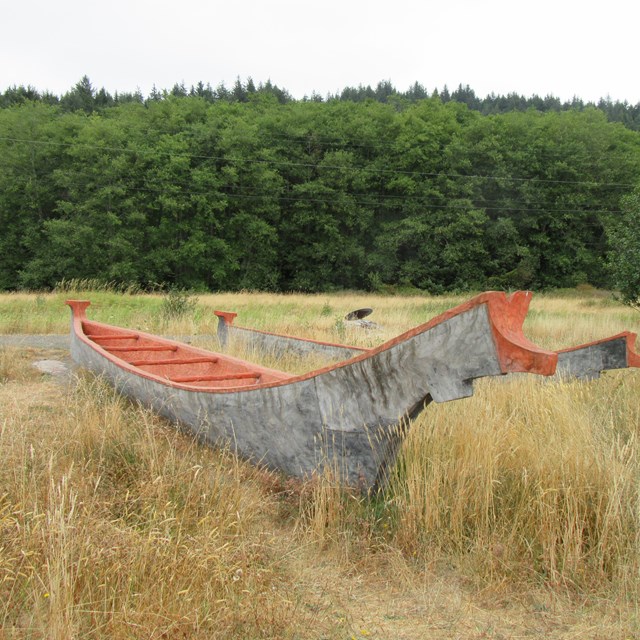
(113, 525)
(511, 514)
(12, 365)
(529, 481)
(554, 321)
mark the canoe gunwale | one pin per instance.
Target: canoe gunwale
(228, 317)
(506, 315)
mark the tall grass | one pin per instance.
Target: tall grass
(176, 304)
(115, 525)
(76, 285)
(528, 480)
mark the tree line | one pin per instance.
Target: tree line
(83, 96)
(260, 191)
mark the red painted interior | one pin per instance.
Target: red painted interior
(174, 362)
(633, 358)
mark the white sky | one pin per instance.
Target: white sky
(564, 48)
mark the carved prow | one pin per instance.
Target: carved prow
(516, 353)
(78, 308)
(225, 320)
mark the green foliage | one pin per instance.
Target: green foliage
(247, 189)
(177, 304)
(624, 258)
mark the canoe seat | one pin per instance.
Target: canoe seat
(219, 378)
(113, 336)
(148, 348)
(171, 361)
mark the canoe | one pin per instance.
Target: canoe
(583, 362)
(350, 416)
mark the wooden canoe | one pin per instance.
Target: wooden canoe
(351, 415)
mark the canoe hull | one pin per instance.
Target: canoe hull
(279, 345)
(351, 416)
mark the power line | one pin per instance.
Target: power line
(343, 198)
(244, 160)
(427, 206)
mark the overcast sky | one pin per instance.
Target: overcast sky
(564, 48)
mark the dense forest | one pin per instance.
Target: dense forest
(247, 188)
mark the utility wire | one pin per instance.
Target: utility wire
(342, 198)
(276, 163)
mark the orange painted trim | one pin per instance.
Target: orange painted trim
(141, 349)
(623, 334)
(112, 336)
(633, 358)
(228, 316)
(173, 361)
(515, 352)
(79, 308)
(222, 378)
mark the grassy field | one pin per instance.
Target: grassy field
(515, 513)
